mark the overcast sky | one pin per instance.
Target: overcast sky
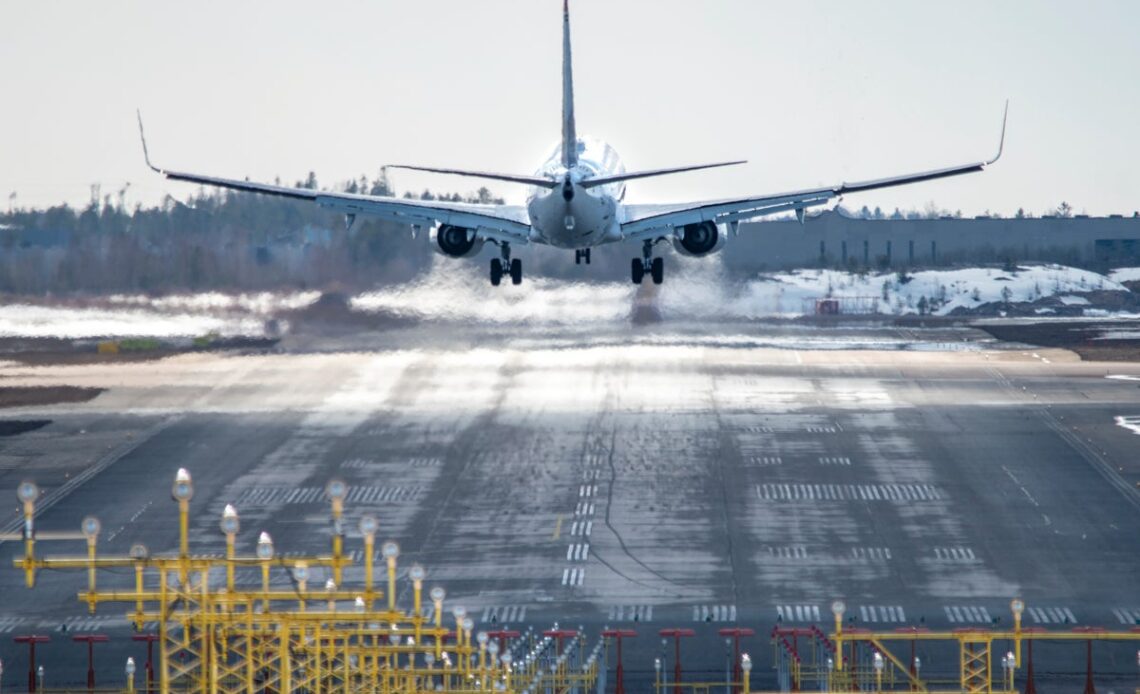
(810, 92)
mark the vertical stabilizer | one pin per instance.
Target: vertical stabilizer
(569, 134)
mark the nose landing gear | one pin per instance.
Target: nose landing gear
(499, 267)
(647, 264)
(582, 255)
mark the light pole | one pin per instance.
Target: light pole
(265, 554)
(90, 528)
(746, 666)
(657, 671)
(27, 493)
(368, 527)
(337, 490)
(130, 674)
(40, 674)
(838, 608)
(183, 492)
(330, 588)
(391, 551)
(231, 525)
(877, 661)
(437, 595)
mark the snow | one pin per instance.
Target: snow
(1074, 300)
(1125, 274)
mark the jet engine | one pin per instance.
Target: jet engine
(698, 239)
(455, 242)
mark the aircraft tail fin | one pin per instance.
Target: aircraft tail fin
(569, 132)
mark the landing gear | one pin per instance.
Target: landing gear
(647, 264)
(505, 265)
(582, 255)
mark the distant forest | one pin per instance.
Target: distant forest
(221, 240)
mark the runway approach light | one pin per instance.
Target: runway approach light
(460, 612)
(416, 573)
(27, 492)
(91, 527)
(183, 489)
(231, 524)
(838, 608)
(746, 662)
(139, 552)
(390, 550)
(265, 547)
(301, 572)
(438, 594)
(337, 490)
(1017, 607)
(368, 526)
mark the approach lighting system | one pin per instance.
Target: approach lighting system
(183, 489)
(265, 547)
(231, 523)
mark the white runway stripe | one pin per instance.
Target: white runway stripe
(573, 577)
(798, 613)
(834, 460)
(967, 614)
(871, 553)
(954, 554)
(714, 613)
(848, 492)
(1127, 615)
(766, 460)
(630, 613)
(503, 614)
(9, 624)
(882, 613)
(578, 552)
(273, 496)
(1051, 615)
(790, 552)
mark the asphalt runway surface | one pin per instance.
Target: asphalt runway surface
(699, 476)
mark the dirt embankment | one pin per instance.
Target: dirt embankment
(1092, 341)
(50, 395)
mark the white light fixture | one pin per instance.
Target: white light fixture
(183, 489)
(231, 524)
(91, 527)
(264, 547)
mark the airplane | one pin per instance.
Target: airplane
(576, 202)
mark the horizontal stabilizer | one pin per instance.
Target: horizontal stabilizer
(606, 180)
(510, 178)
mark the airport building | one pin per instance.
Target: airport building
(833, 239)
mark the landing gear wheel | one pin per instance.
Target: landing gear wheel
(496, 271)
(637, 270)
(516, 271)
(658, 270)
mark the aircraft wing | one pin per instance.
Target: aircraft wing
(509, 223)
(652, 221)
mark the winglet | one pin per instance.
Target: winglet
(1001, 142)
(142, 136)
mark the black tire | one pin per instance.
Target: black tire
(516, 271)
(496, 271)
(658, 270)
(636, 271)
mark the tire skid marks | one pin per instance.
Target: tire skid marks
(849, 492)
(797, 613)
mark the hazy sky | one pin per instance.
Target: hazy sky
(810, 92)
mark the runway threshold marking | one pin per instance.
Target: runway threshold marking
(499, 614)
(1127, 615)
(848, 492)
(714, 613)
(630, 613)
(882, 613)
(797, 613)
(1051, 615)
(967, 614)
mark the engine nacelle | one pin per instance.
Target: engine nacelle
(699, 239)
(455, 242)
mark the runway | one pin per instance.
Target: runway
(694, 476)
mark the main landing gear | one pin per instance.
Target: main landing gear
(647, 264)
(511, 267)
(582, 255)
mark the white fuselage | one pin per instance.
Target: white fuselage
(591, 216)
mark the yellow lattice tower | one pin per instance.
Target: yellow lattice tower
(240, 638)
